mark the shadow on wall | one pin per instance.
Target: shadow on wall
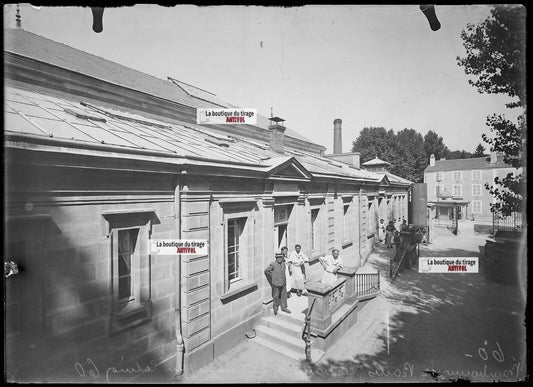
(441, 327)
(71, 341)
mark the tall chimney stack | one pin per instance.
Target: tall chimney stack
(337, 136)
(277, 134)
(432, 160)
(18, 18)
(493, 157)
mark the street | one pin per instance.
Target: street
(423, 327)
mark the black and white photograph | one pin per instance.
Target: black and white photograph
(265, 194)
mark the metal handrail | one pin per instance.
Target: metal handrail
(306, 332)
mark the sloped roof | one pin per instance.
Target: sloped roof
(27, 44)
(467, 164)
(394, 178)
(40, 115)
(375, 161)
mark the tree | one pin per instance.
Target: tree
(480, 151)
(375, 142)
(410, 159)
(405, 150)
(459, 154)
(434, 145)
(495, 55)
(509, 140)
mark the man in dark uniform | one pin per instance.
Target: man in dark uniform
(275, 273)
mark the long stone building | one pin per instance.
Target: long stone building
(99, 160)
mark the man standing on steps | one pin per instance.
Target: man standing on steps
(275, 273)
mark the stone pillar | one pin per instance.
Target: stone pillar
(328, 299)
(348, 273)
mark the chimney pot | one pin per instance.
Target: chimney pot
(357, 160)
(277, 138)
(337, 136)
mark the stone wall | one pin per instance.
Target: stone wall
(60, 307)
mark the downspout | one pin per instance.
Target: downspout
(360, 257)
(180, 348)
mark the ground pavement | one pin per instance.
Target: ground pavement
(423, 327)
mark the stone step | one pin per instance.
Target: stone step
(291, 318)
(316, 354)
(282, 325)
(288, 341)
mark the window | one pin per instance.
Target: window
(457, 190)
(130, 273)
(235, 246)
(314, 228)
(438, 176)
(439, 189)
(476, 175)
(476, 206)
(476, 189)
(346, 220)
(127, 242)
(457, 176)
(371, 216)
(235, 230)
(282, 214)
(130, 268)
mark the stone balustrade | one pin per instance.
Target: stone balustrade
(334, 310)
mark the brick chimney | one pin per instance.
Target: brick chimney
(432, 160)
(277, 134)
(337, 136)
(493, 157)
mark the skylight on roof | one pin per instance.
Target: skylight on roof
(217, 142)
(124, 117)
(83, 115)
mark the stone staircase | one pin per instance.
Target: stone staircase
(283, 333)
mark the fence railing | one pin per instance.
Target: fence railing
(306, 332)
(507, 222)
(367, 285)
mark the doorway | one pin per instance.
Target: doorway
(280, 232)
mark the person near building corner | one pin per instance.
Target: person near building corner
(296, 262)
(288, 270)
(331, 263)
(381, 230)
(389, 234)
(275, 274)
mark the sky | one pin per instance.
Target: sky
(369, 65)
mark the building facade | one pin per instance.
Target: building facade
(100, 159)
(463, 180)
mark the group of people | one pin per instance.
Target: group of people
(392, 235)
(288, 272)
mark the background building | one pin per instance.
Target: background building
(463, 180)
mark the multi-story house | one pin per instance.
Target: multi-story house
(463, 181)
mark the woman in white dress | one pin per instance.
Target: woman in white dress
(331, 263)
(297, 261)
